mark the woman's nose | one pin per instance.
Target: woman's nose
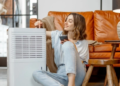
(65, 23)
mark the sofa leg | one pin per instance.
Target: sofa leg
(88, 74)
(109, 75)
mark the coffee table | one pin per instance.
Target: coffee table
(111, 74)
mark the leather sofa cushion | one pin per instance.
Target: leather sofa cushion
(116, 65)
(60, 18)
(103, 55)
(105, 25)
(90, 49)
(104, 47)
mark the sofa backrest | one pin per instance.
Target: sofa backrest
(32, 21)
(105, 25)
(100, 25)
(60, 18)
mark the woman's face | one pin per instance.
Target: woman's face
(69, 23)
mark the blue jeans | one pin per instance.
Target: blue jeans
(72, 64)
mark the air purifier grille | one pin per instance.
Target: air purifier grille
(28, 45)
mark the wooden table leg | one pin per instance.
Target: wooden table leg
(106, 80)
(109, 75)
(113, 50)
(88, 74)
(115, 80)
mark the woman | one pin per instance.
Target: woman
(70, 55)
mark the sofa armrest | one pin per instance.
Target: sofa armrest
(32, 21)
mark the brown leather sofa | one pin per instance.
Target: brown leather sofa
(101, 26)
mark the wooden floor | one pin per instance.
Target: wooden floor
(95, 84)
(3, 79)
(96, 80)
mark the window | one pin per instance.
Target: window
(18, 15)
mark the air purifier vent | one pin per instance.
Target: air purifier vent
(28, 46)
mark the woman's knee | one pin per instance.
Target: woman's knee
(67, 45)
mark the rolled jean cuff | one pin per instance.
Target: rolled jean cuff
(71, 71)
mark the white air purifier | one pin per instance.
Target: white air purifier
(26, 54)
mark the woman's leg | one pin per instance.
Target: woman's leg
(69, 55)
(80, 71)
(48, 79)
(73, 63)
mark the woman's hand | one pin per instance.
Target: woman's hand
(38, 24)
(64, 41)
(67, 40)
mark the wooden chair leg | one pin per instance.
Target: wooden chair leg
(105, 82)
(88, 74)
(115, 80)
(109, 75)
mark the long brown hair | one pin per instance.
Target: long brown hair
(79, 25)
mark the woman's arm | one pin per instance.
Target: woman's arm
(71, 79)
(48, 33)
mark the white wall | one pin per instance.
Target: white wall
(106, 4)
(44, 6)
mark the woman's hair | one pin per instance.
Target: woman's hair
(79, 25)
